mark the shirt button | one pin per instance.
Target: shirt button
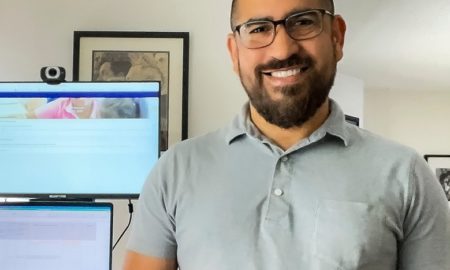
(278, 192)
(284, 159)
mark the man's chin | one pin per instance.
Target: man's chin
(287, 92)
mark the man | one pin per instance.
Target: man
(290, 185)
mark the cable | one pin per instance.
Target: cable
(130, 210)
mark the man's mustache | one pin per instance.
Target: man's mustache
(293, 60)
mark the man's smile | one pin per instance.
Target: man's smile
(285, 76)
(285, 72)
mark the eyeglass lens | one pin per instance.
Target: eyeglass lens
(298, 26)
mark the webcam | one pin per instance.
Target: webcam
(53, 75)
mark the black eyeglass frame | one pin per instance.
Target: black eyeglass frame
(237, 28)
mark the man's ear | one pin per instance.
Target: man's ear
(339, 28)
(233, 51)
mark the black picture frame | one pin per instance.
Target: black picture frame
(161, 56)
(440, 165)
(352, 120)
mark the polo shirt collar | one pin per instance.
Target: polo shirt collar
(237, 127)
(335, 126)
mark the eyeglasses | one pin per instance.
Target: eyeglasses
(299, 26)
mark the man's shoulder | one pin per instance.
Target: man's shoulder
(375, 144)
(190, 159)
(199, 145)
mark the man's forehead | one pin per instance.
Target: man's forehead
(275, 9)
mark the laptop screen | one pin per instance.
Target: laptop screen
(55, 236)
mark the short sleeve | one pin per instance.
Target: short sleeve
(153, 229)
(426, 243)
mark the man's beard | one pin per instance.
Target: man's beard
(300, 101)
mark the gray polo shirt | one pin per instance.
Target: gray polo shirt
(341, 199)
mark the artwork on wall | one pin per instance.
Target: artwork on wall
(440, 165)
(352, 120)
(140, 56)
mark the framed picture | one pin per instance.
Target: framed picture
(352, 120)
(440, 164)
(140, 56)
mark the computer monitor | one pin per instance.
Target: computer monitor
(77, 139)
(55, 236)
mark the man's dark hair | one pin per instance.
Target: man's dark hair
(329, 6)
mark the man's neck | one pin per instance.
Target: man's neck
(286, 138)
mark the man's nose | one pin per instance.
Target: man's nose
(283, 46)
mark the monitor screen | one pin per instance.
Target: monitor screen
(77, 139)
(55, 236)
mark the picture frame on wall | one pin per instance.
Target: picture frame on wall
(140, 56)
(440, 165)
(352, 120)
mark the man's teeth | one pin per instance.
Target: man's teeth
(285, 73)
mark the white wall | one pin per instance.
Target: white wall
(419, 119)
(348, 91)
